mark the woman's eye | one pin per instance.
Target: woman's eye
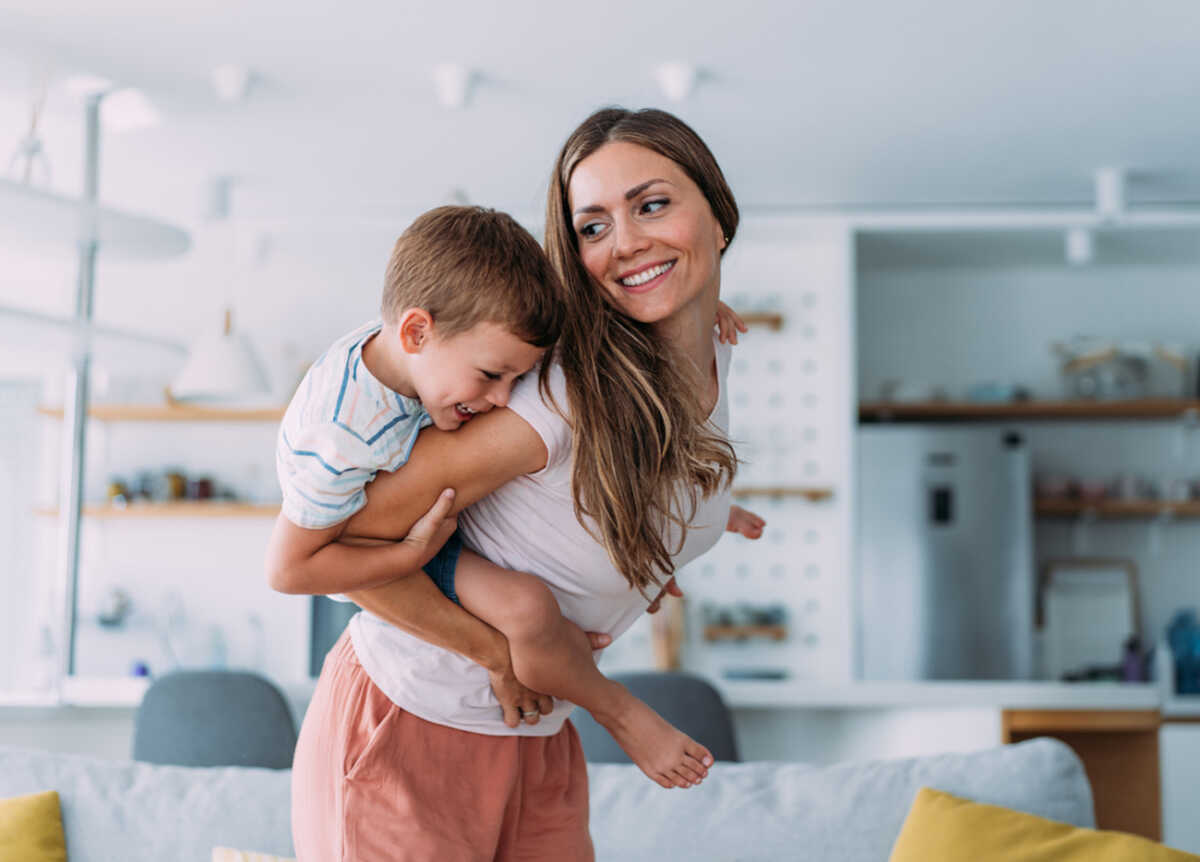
(591, 230)
(653, 206)
(490, 376)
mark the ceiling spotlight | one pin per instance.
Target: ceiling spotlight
(232, 82)
(1110, 192)
(1081, 246)
(676, 80)
(452, 84)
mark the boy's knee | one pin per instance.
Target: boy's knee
(532, 608)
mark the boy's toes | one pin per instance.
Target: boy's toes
(681, 778)
(695, 766)
(700, 753)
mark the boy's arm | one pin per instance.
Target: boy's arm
(314, 562)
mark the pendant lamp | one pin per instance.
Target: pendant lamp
(221, 367)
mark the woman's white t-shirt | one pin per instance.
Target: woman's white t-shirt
(528, 525)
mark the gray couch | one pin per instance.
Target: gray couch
(749, 811)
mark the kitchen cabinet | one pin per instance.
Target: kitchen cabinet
(1179, 750)
(1120, 752)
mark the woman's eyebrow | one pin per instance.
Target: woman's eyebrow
(637, 190)
(629, 195)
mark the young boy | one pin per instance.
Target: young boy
(470, 304)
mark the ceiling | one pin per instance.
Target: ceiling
(806, 104)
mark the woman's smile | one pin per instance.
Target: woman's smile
(647, 277)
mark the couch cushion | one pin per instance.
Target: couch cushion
(851, 813)
(942, 826)
(138, 811)
(31, 828)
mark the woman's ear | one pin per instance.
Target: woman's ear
(416, 328)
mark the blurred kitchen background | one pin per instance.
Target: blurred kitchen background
(969, 401)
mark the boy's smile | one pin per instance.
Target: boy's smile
(459, 377)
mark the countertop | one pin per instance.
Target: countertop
(809, 694)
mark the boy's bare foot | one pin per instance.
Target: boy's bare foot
(667, 756)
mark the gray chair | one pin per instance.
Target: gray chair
(214, 718)
(687, 701)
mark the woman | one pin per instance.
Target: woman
(403, 754)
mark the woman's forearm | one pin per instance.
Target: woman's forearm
(489, 451)
(414, 604)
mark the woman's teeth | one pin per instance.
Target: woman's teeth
(464, 409)
(647, 274)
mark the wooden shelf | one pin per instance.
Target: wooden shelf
(173, 413)
(1056, 508)
(771, 320)
(180, 509)
(949, 411)
(813, 495)
(738, 633)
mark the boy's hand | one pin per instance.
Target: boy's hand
(746, 523)
(433, 529)
(729, 324)
(670, 588)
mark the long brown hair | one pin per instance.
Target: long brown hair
(643, 450)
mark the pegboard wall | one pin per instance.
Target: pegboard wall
(792, 418)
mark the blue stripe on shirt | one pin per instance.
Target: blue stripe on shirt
(307, 454)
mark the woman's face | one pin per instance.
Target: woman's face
(645, 231)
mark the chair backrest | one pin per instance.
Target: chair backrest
(687, 701)
(214, 718)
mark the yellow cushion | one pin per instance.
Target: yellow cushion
(225, 854)
(31, 828)
(945, 828)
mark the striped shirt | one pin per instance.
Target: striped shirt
(341, 427)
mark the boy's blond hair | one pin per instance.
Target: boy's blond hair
(468, 265)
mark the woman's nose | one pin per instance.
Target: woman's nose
(628, 238)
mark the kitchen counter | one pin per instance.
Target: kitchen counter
(802, 694)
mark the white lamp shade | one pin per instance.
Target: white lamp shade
(221, 368)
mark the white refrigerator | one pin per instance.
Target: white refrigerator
(945, 583)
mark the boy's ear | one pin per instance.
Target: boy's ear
(415, 328)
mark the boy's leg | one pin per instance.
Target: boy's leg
(553, 656)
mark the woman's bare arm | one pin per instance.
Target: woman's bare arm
(475, 460)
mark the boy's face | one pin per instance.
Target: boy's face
(469, 373)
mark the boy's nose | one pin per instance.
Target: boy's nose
(498, 396)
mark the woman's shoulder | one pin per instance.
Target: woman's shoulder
(545, 409)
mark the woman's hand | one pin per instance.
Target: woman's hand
(729, 324)
(518, 702)
(746, 523)
(524, 704)
(670, 588)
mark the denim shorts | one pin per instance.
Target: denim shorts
(441, 568)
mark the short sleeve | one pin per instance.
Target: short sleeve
(543, 415)
(321, 483)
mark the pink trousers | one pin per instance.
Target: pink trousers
(372, 782)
